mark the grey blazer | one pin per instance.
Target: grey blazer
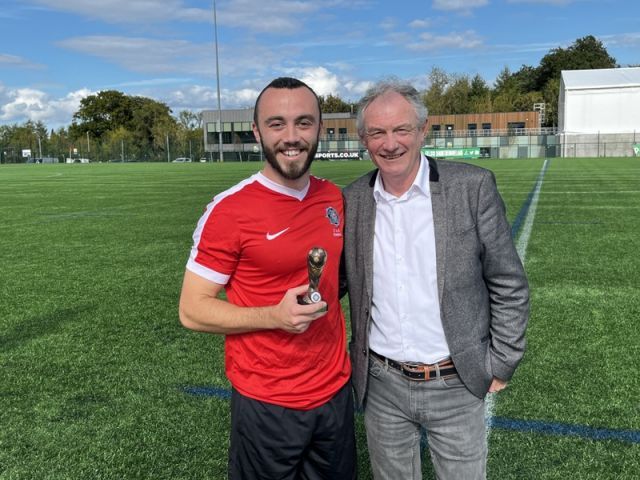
(483, 289)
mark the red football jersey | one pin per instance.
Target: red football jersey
(254, 238)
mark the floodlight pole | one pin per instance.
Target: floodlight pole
(215, 31)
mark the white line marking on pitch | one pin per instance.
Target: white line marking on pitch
(521, 247)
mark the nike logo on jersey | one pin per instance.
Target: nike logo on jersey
(271, 236)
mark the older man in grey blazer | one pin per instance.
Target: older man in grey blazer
(439, 297)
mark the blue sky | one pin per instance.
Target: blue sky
(55, 52)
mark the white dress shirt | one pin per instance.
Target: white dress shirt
(406, 324)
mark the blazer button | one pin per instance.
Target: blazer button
(364, 351)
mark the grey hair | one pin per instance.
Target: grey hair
(400, 87)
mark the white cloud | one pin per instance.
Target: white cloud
(459, 5)
(137, 54)
(320, 79)
(324, 82)
(282, 17)
(550, 2)
(151, 56)
(388, 23)
(274, 16)
(204, 97)
(429, 41)
(7, 60)
(131, 12)
(22, 104)
(419, 24)
(623, 40)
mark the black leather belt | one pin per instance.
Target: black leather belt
(420, 371)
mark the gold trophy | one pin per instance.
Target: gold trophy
(316, 261)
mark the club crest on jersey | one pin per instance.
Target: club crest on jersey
(333, 216)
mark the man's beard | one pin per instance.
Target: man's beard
(294, 170)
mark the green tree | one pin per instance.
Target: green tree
(190, 120)
(480, 96)
(457, 97)
(434, 96)
(147, 113)
(189, 135)
(550, 97)
(59, 143)
(14, 139)
(334, 104)
(117, 145)
(584, 54)
(111, 110)
(101, 113)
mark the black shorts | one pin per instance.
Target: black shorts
(270, 442)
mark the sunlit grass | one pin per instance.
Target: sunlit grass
(93, 359)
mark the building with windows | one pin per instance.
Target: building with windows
(496, 135)
(483, 124)
(338, 140)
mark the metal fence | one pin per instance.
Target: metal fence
(94, 151)
(518, 143)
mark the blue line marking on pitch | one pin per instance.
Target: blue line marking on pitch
(208, 392)
(522, 214)
(526, 426)
(563, 429)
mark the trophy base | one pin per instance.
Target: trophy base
(311, 299)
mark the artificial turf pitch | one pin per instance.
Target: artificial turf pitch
(97, 375)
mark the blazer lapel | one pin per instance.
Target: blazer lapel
(438, 205)
(367, 219)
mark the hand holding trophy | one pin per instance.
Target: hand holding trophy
(316, 261)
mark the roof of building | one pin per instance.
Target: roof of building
(601, 78)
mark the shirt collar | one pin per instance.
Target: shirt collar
(420, 184)
(276, 187)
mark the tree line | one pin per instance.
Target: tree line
(111, 125)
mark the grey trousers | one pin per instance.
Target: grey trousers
(397, 408)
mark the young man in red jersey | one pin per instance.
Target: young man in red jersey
(291, 404)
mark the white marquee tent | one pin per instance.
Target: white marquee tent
(603, 101)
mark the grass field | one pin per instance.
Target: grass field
(96, 371)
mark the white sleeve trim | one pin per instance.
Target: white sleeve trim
(207, 273)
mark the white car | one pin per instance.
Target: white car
(182, 160)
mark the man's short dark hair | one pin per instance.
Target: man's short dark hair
(285, 82)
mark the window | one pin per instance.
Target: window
(214, 139)
(246, 137)
(330, 133)
(513, 127)
(342, 133)
(435, 128)
(486, 128)
(472, 127)
(449, 129)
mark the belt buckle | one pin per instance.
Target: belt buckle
(415, 368)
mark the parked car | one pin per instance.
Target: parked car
(182, 160)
